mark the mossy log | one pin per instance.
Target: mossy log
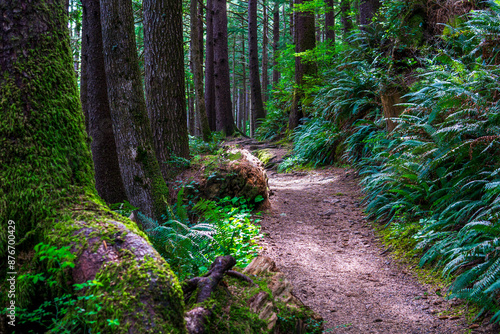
(233, 173)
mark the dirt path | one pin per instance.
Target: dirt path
(317, 235)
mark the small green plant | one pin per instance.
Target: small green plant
(72, 311)
(220, 228)
(236, 234)
(125, 209)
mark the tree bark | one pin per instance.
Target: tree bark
(109, 183)
(276, 41)
(390, 108)
(48, 183)
(367, 9)
(305, 40)
(83, 73)
(223, 105)
(196, 318)
(330, 22)
(345, 18)
(209, 69)
(244, 79)
(265, 60)
(144, 183)
(196, 62)
(164, 81)
(255, 89)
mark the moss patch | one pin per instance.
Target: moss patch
(232, 312)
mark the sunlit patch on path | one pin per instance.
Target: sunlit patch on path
(317, 234)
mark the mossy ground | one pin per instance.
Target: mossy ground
(399, 239)
(233, 315)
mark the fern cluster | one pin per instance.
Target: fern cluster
(225, 227)
(436, 177)
(440, 166)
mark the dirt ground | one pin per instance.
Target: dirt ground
(318, 236)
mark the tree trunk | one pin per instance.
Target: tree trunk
(108, 179)
(389, 105)
(330, 22)
(191, 110)
(345, 18)
(276, 41)
(367, 9)
(257, 105)
(233, 74)
(244, 79)
(164, 81)
(223, 105)
(209, 69)
(144, 183)
(305, 40)
(196, 61)
(265, 60)
(48, 184)
(83, 74)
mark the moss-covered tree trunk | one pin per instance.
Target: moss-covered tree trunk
(47, 183)
(108, 179)
(144, 183)
(83, 73)
(164, 80)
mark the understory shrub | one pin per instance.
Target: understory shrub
(224, 227)
(440, 169)
(436, 177)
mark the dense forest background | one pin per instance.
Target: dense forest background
(406, 92)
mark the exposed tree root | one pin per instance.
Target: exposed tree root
(196, 319)
(241, 276)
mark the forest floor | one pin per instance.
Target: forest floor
(317, 234)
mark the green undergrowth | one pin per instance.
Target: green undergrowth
(264, 155)
(401, 245)
(434, 180)
(191, 238)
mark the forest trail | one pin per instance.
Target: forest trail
(318, 236)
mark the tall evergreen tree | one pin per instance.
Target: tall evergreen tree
(223, 105)
(255, 89)
(276, 40)
(330, 22)
(305, 39)
(265, 58)
(197, 68)
(164, 80)
(48, 183)
(108, 179)
(144, 183)
(209, 68)
(345, 17)
(367, 9)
